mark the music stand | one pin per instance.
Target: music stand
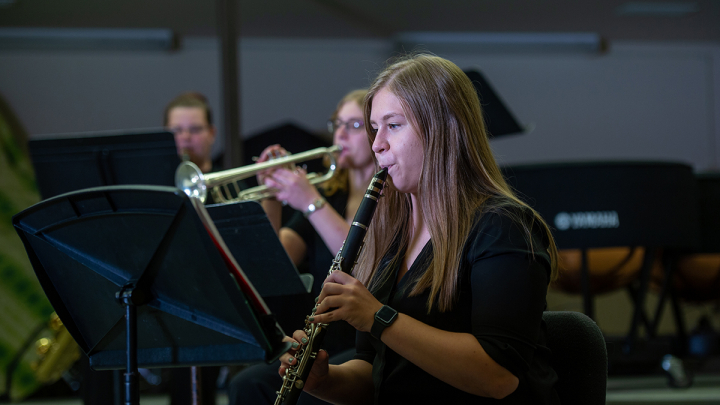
(69, 162)
(498, 118)
(245, 228)
(140, 277)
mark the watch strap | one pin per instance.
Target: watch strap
(314, 206)
(384, 317)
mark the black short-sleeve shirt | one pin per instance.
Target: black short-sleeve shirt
(501, 295)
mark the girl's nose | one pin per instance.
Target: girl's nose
(379, 145)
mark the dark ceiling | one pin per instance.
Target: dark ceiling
(697, 20)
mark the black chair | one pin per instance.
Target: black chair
(579, 356)
(694, 274)
(697, 275)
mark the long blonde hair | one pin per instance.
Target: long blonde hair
(339, 182)
(459, 174)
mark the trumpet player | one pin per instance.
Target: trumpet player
(189, 117)
(316, 232)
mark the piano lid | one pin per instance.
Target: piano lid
(612, 203)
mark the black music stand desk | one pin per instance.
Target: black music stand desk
(102, 253)
(70, 162)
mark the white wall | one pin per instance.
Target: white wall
(638, 101)
(281, 80)
(303, 80)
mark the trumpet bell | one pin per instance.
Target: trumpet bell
(189, 178)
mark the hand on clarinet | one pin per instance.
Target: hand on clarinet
(343, 297)
(319, 370)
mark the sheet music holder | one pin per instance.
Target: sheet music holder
(246, 230)
(69, 162)
(158, 251)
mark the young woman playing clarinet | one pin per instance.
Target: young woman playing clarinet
(449, 292)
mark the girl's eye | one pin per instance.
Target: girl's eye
(373, 130)
(393, 126)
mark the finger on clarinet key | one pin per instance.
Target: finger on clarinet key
(301, 337)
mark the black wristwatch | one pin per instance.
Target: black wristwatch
(384, 317)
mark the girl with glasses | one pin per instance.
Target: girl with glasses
(315, 234)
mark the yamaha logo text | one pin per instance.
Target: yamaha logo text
(587, 220)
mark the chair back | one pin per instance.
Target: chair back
(579, 357)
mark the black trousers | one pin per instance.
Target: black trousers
(259, 384)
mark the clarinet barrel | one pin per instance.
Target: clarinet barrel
(356, 236)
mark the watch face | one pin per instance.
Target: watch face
(386, 314)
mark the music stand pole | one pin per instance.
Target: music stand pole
(196, 389)
(125, 297)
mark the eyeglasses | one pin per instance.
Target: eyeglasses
(350, 126)
(192, 130)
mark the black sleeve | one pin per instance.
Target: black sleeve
(509, 279)
(364, 349)
(301, 226)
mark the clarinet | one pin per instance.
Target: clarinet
(345, 260)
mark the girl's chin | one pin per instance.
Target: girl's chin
(402, 188)
(344, 164)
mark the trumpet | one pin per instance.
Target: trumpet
(223, 185)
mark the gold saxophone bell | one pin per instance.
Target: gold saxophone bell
(223, 185)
